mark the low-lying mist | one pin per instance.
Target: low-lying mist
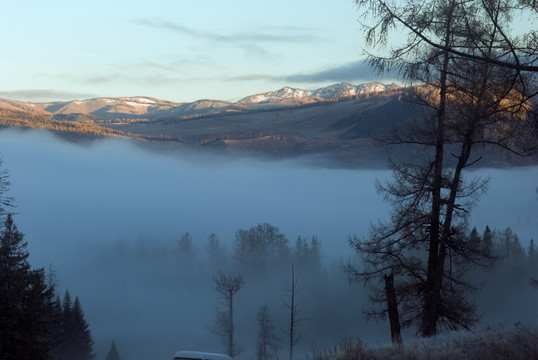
(107, 217)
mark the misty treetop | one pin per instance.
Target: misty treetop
(113, 353)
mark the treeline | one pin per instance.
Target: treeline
(74, 340)
(509, 256)
(265, 265)
(251, 136)
(69, 128)
(10, 118)
(266, 269)
(32, 324)
(271, 270)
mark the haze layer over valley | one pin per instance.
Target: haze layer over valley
(107, 216)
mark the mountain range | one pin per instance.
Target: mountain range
(333, 125)
(142, 107)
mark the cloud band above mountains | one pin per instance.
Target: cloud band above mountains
(44, 95)
(357, 71)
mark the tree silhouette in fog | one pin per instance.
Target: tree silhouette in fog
(27, 315)
(185, 245)
(217, 252)
(227, 286)
(76, 339)
(468, 104)
(267, 339)
(261, 247)
(27, 307)
(113, 353)
(294, 336)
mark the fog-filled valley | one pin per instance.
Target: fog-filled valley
(108, 217)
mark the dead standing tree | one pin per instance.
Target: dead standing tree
(291, 304)
(468, 104)
(227, 286)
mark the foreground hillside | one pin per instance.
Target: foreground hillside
(517, 343)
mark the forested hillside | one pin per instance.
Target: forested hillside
(33, 120)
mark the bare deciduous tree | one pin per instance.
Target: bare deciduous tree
(227, 286)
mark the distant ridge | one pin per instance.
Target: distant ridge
(332, 126)
(149, 108)
(332, 92)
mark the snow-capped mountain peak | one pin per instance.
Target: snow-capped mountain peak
(331, 92)
(113, 108)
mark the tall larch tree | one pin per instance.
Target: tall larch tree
(469, 104)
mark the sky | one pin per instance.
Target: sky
(176, 50)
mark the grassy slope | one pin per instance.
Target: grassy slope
(518, 342)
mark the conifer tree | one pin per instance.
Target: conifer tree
(76, 341)
(26, 302)
(113, 353)
(217, 252)
(82, 336)
(474, 238)
(487, 240)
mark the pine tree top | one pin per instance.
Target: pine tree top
(113, 353)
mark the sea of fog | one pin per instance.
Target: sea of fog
(74, 197)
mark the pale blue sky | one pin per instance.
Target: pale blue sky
(179, 50)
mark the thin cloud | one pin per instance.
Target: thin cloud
(251, 77)
(102, 79)
(350, 72)
(155, 65)
(287, 34)
(168, 25)
(355, 71)
(44, 95)
(134, 79)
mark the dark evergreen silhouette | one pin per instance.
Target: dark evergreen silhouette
(76, 339)
(27, 315)
(487, 240)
